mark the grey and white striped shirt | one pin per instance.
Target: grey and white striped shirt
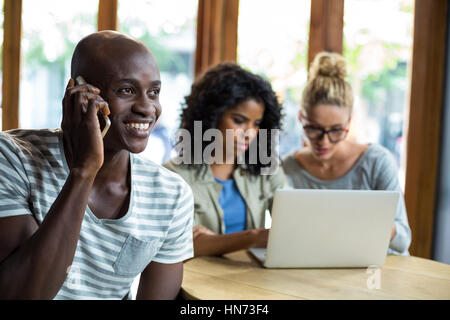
(110, 253)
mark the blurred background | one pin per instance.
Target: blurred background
(275, 39)
(378, 55)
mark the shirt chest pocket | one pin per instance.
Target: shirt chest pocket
(134, 256)
(264, 201)
(203, 210)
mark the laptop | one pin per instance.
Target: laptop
(329, 228)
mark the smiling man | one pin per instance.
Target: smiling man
(80, 215)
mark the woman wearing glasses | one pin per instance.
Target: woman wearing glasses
(329, 160)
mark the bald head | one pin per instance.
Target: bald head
(102, 54)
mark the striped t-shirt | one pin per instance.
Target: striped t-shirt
(110, 252)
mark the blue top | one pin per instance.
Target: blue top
(233, 206)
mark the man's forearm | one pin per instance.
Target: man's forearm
(38, 268)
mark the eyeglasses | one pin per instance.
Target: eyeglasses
(317, 133)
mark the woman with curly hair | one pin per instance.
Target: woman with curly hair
(232, 188)
(329, 160)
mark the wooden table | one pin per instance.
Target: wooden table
(237, 276)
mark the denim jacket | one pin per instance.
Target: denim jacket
(257, 192)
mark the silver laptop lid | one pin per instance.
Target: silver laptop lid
(330, 228)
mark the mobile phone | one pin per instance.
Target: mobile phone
(80, 80)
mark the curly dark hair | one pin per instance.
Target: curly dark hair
(223, 87)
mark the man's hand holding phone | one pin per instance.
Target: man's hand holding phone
(81, 127)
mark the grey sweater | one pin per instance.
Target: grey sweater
(376, 169)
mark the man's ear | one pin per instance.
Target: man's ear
(300, 115)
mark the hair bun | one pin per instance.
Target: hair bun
(327, 64)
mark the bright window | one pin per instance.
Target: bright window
(50, 31)
(168, 28)
(377, 46)
(273, 42)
